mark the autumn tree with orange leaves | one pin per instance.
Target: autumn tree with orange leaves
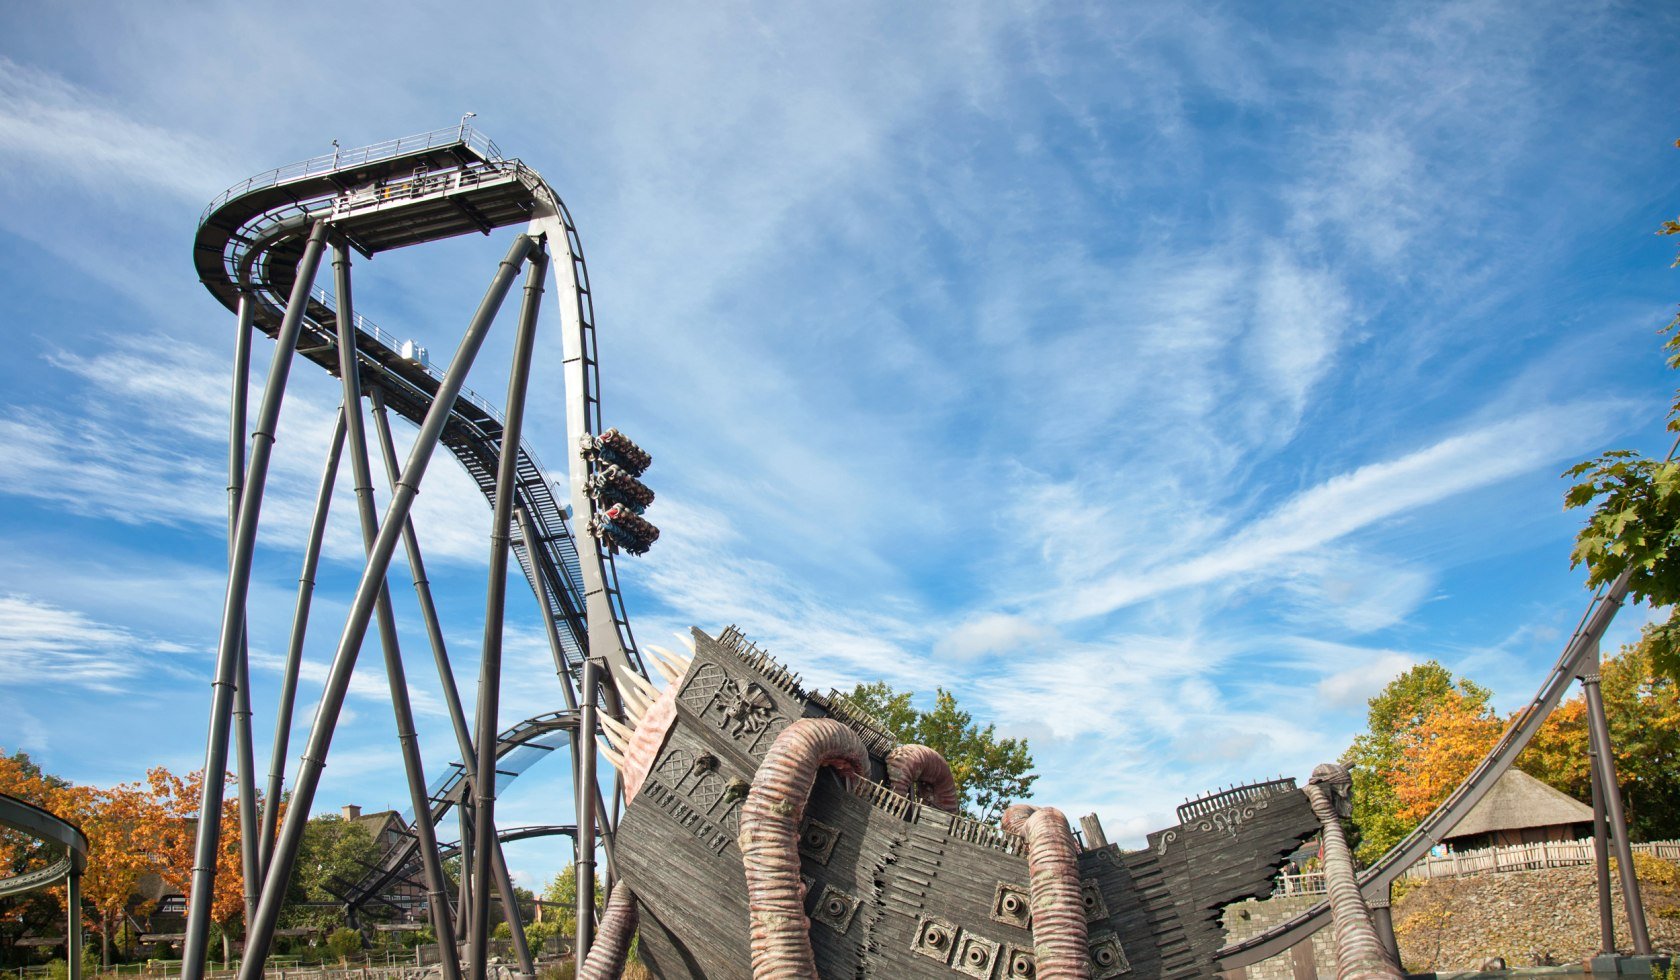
(178, 799)
(1428, 730)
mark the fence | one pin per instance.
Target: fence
(1527, 857)
(1513, 857)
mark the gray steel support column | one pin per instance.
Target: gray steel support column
(463, 913)
(1601, 861)
(1604, 763)
(511, 911)
(349, 372)
(233, 614)
(246, 768)
(73, 924)
(1382, 917)
(423, 588)
(587, 788)
(294, 646)
(261, 932)
(495, 601)
(244, 749)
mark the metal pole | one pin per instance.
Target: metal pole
(1604, 764)
(244, 750)
(233, 613)
(510, 910)
(490, 662)
(586, 788)
(1601, 858)
(349, 372)
(73, 927)
(463, 914)
(261, 933)
(423, 588)
(1382, 917)
(294, 648)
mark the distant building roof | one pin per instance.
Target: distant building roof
(1519, 801)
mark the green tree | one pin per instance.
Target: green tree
(1394, 719)
(334, 854)
(991, 772)
(560, 902)
(1635, 519)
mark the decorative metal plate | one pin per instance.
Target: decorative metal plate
(976, 956)
(816, 841)
(835, 909)
(1018, 963)
(1011, 906)
(1096, 910)
(935, 938)
(1108, 957)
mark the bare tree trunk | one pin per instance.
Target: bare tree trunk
(104, 940)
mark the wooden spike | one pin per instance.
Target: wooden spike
(642, 685)
(622, 733)
(611, 756)
(665, 670)
(635, 704)
(687, 641)
(676, 661)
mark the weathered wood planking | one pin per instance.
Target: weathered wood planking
(895, 889)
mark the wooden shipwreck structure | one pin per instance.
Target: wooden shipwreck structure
(894, 887)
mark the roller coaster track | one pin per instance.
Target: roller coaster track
(250, 244)
(1374, 882)
(443, 183)
(57, 833)
(517, 749)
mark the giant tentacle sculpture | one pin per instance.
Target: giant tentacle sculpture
(612, 938)
(770, 818)
(631, 748)
(1061, 946)
(1359, 953)
(921, 769)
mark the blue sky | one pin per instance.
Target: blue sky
(1161, 379)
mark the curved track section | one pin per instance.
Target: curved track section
(1375, 881)
(517, 749)
(405, 192)
(517, 833)
(32, 821)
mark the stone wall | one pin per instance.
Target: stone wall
(1457, 923)
(1450, 924)
(1250, 918)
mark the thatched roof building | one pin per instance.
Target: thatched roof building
(1520, 809)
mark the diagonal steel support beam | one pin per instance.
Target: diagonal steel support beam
(233, 612)
(294, 646)
(260, 935)
(495, 608)
(238, 402)
(349, 372)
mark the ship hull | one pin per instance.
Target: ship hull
(897, 889)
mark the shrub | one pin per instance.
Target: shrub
(344, 943)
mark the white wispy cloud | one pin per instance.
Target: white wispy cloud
(53, 131)
(1358, 499)
(43, 645)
